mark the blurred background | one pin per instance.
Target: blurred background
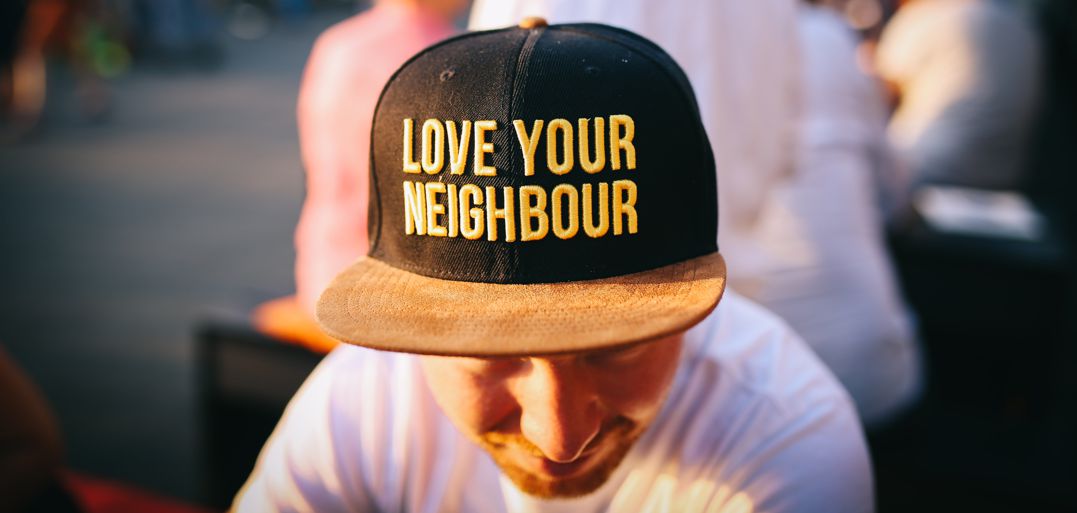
(151, 181)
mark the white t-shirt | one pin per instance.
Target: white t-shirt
(830, 276)
(753, 423)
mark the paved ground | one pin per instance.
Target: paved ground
(117, 237)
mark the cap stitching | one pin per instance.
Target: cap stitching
(516, 86)
(468, 278)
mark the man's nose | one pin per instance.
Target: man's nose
(560, 413)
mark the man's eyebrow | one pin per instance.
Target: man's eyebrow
(490, 359)
(609, 351)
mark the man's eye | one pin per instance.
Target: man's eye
(616, 356)
(487, 366)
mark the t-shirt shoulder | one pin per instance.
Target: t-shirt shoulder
(757, 350)
(755, 415)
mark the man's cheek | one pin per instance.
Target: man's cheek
(638, 399)
(635, 407)
(486, 410)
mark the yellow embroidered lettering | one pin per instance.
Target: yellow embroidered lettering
(414, 210)
(619, 141)
(471, 225)
(458, 145)
(559, 167)
(528, 143)
(536, 212)
(559, 229)
(482, 147)
(603, 210)
(410, 165)
(472, 211)
(434, 209)
(588, 165)
(622, 206)
(433, 146)
(453, 215)
(492, 213)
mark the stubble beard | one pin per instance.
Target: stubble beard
(621, 434)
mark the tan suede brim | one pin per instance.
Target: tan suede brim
(375, 305)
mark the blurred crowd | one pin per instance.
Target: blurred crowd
(99, 40)
(833, 122)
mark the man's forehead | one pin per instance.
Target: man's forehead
(666, 341)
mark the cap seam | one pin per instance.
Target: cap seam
(519, 83)
(376, 240)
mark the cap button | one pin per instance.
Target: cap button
(533, 22)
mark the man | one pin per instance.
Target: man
(798, 223)
(542, 230)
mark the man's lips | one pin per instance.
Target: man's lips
(561, 470)
(539, 465)
(515, 450)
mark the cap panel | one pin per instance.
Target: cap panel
(645, 47)
(573, 75)
(636, 259)
(549, 204)
(468, 79)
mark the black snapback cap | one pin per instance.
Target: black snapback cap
(537, 189)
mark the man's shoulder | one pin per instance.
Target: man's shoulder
(747, 361)
(754, 407)
(350, 362)
(757, 348)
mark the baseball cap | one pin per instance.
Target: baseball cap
(534, 190)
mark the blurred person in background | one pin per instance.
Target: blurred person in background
(31, 447)
(12, 13)
(35, 29)
(965, 76)
(347, 68)
(798, 222)
(34, 474)
(855, 317)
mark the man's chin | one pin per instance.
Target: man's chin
(550, 486)
(561, 488)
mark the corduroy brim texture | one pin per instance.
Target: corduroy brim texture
(375, 305)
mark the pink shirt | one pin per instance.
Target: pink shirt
(347, 69)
